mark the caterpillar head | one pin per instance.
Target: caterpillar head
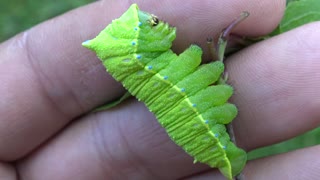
(135, 31)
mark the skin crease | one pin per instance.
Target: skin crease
(49, 83)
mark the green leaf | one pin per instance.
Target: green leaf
(299, 13)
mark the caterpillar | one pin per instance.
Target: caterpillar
(187, 98)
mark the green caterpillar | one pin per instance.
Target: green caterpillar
(187, 98)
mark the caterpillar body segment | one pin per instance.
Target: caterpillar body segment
(186, 97)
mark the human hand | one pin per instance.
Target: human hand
(49, 83)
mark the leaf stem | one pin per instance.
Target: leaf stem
(224, 36)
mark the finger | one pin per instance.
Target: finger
(296, 165)
(196, 21)
(48, 79)
(123, 143)
(300, 164)
(7, 172)
(276, 87)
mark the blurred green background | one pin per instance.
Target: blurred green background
(18, 15)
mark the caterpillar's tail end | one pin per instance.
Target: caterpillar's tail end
(237, 158)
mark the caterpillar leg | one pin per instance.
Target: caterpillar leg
(225, 34)
(217, 52)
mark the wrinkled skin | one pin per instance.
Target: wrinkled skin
(49, 83)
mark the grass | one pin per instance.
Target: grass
(310, 138)
(18, 15)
